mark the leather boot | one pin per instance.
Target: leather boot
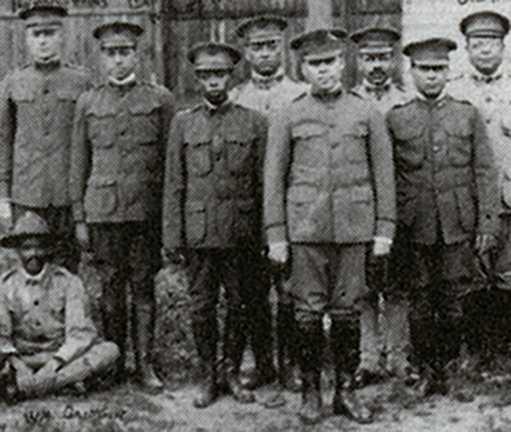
(345, 340)
(114, 330)
(310, 365)
(397, 335)
(205, 332)
(234, 344)
(143, 327)
(288, 349)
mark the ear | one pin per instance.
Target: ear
(304, 70)
(246, 53)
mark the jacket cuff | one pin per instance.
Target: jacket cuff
(385, 228)
(78, 212)
(276, 233)
(7, 347)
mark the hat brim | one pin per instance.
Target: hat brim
(504, 20)
(234, 53)
(134, 28)
(298, 41)
(358, 35)
(450, 44)
(12, 241)
(241, 30)
(56, 10)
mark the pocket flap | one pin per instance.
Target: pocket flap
(144, 107)
(195, 207)
(307, 130)
(359, 130)
(69, 95)
(302, 194)
(23, 94)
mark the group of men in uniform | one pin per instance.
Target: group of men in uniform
(376, 206)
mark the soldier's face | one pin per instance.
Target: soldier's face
(265, 57)
(375, 67)
(33, 254)
(485, 53)
(214, 83)
(323, 74)
(430, 80)
(44, 42)
(119, 62)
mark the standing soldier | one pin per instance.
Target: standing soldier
(376, 62)
(444, 182)
(212, 205)
(118, 147)
(269, 90)
(36, 116)
(329, 191)
(486, 86)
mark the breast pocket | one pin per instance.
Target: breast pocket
(199, 160)
(308, 142)
(409, 147)
(145, 122)
(459, 146)
(240, 153)
(354, 143)
(100, 129)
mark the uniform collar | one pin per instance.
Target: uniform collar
(214, 109)
(38, 279)
(267, 82)
(49, 65)
(331, 95)
(487, 79)
(129, 81)
(377, 90)
(438, 101)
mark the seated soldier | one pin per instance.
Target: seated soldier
(47, 338)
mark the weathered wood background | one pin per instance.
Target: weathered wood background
(172, 26)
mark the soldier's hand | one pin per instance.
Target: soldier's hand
(381, 246)
(6, 213)
(82, 235)
(485, 243)
(278, 252)
(50, 368)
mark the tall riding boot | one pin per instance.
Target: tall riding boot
(261, 338)
(143, 328)
(345, 341)
(311, 334)
(206, 339)
(114, 320)
(288, 350)
(234, 344)
(397, 335)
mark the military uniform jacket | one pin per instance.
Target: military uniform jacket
(212, 195)
(383, 99)
(267, 97)
(118, 149)
(445, 172)
(36, 118)
(328, 175)
(47, 313)
(490, 95)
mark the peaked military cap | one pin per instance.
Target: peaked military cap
(319, 43)
(485, 23)
(262, 28)
(29, 224)
(375, 39)
(430, 52)
(213, 56)
(118, 34)
(43, 12)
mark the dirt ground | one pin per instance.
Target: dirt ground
(128, 409)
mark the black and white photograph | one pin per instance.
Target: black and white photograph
(255, 215)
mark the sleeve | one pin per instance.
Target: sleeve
(382, 168)
(486, 174)
(276, 166)
(173, 188)
(80, 159)
(7, 132)
(261, 141)
(80, 330)
(6, 342)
